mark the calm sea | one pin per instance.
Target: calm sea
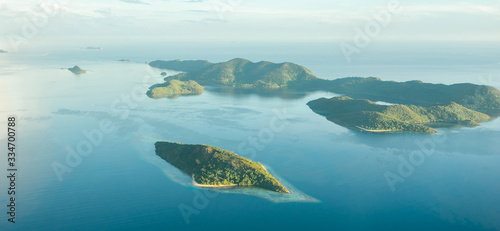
(446, 181)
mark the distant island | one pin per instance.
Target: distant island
(94, 48)
(419, 96)
(2, 51)
(180, 65)
(214, 167)
(124, 60)
(241, 73)
(364, 115)
(77, 70)
(174, 88)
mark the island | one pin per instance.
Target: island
(242, 73)
(3, 51)
(214, 167)
(94, 48)
(365, 115)
(77, 70)
(124, 60)
(463, 103)
(174, 88)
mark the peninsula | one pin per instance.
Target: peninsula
(77, 70)
(174, 88)
(212, 166)
(364, 115)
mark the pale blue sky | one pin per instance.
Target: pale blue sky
(313, 20)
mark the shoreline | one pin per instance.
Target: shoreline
(368, 130)
(211, 186)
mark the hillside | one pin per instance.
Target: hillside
(214, 166)
(476, 97)
(174, 88)
(361, 114)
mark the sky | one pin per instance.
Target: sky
(255, 20)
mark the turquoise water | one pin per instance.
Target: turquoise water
(339, 175)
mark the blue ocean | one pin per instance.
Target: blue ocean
(341, 179)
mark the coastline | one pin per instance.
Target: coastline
(211, 186)
(367, 130)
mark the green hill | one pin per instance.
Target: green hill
(477, 97)
(245, 74)
(361, 114)
(180, 65)
(174, 88)
(214, 166)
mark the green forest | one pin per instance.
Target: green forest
(174, 88)
(214, 166)
(365, 115)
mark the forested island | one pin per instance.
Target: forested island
(241, 73)
(174, 88)
(364, 115)
(212, 166)
(462, 104)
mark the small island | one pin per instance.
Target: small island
(94, 48)
(214, 167)
(175, 88)
(77, 70)
(124, 60)
(364, 115)
(3, 51)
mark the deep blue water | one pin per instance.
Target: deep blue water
(121, 185)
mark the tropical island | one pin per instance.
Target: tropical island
(241, 73)
(77, 70)
(462, 104)
(214, 167)
(364, 115)
(174, 88)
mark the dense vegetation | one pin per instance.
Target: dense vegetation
(245, 74)
(241, 73)
(214, 166)
(174, 88)
(77, 70)
(179, 65)
(476, 97)
(366, 115)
